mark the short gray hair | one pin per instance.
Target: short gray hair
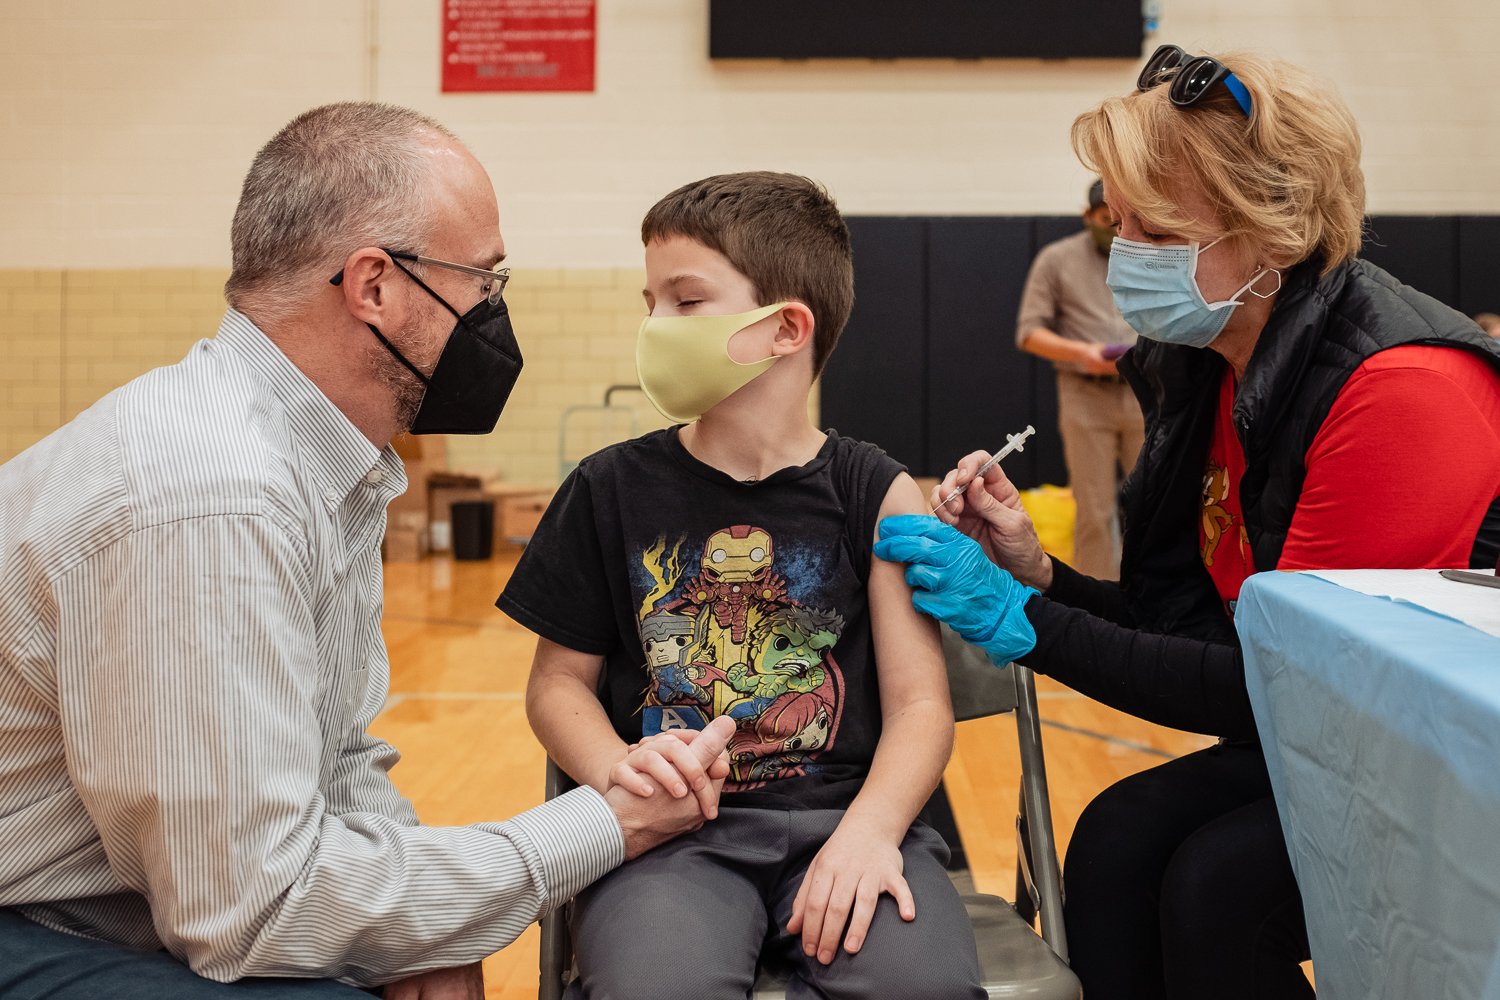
(336, 178)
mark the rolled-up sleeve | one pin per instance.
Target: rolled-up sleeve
(194, 711)
(1038, 299)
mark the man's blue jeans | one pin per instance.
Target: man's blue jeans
(41, 964)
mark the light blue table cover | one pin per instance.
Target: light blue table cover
(1381, 726)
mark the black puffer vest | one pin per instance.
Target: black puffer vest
(1321, 329)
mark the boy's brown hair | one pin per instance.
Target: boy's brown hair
(781, 231)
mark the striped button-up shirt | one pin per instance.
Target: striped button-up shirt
(190, 654)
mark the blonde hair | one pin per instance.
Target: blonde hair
(1286, 181)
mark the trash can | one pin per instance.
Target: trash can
(473, 529)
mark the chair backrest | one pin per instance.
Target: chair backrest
(977, 687)
(980, 689)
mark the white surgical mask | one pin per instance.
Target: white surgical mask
(684, 363)
(1156, 290)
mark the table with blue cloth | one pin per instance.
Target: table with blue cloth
(1380, 719)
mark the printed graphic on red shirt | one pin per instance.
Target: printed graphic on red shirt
(1217, 521)
(731, 641)
(1223, 540)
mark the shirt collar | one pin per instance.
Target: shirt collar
(338, 457)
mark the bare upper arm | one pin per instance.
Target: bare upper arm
(908, 651)
(555, 661)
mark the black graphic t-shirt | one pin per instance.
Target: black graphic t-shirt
(710, 597)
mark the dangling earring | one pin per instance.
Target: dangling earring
(1256, 280)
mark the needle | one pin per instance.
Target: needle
(1014, 442)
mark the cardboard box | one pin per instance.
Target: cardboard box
(518, 508)
(404, 545)
(407, 519)
(423, 449)
(516, 518)
(422, 456)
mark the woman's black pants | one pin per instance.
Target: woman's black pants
(1179, 886)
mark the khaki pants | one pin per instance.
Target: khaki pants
(1101, 428)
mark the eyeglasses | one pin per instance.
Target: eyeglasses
(1191, 77)
(495, 279)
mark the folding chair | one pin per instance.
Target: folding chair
(1013, 960)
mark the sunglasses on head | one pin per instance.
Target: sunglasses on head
(1190, 77)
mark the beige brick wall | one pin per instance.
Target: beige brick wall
(69, 337)
(30, 357)
(116, 324)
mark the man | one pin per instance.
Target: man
(190, 595)
(1068, 316)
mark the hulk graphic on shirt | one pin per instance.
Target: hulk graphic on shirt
(787, 650)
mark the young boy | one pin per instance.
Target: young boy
(723, 568)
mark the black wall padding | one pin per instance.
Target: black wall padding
(873, 389)
(1421, 251)
(1479, 264)
(979, 387)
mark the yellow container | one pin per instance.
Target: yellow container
(1052, 511)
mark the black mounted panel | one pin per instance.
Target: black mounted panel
(1421, 251)
(872, 388)
(1051, 228)
(1479, 264)
(932, 29)
(1046, 446)
(979, 384)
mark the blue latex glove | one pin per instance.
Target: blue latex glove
(953, 581)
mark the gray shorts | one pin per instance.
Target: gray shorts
(691, 920)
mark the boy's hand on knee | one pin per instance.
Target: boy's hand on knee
(668, 760)
(647, 821)
(842, 886)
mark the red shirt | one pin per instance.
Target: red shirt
(1399, 476)
(1222, 539)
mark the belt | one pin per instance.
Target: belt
(1103, 379)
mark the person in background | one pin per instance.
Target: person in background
(1489, 323)
(1069, 317)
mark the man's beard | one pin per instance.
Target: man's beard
(406, 392)
(405, 389)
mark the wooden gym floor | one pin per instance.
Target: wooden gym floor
(458, 675)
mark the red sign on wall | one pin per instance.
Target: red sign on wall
(518, 45)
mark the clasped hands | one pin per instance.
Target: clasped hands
(668, 784)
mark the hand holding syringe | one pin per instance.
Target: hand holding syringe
(1014, 442)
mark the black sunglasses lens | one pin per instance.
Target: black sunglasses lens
(1165, 59)
(1194, 80)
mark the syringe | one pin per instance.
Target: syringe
(1014, 442)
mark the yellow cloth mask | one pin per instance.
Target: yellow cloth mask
(684, 363)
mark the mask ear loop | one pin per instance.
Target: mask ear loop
(777, 307)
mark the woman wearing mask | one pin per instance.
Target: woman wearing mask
(1303, 410)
